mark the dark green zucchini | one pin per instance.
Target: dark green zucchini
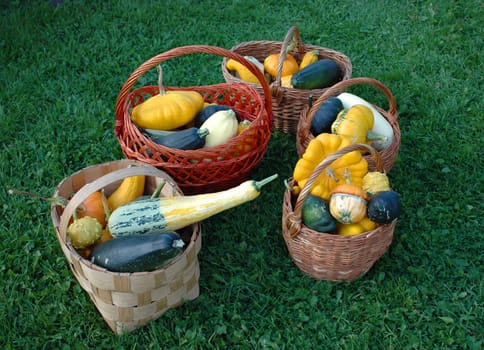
(325, 116)
(207, 112)
(317, 75)
(186, 139)
(316, 216)
(137, 253)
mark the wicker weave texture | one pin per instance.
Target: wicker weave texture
(206, 169)
(388, 155)
(128, 301)
(326, 256)
(287, 103)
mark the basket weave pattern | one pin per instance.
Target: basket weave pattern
(206, 169)
(287, 103)
(326, 256)
(388, 155)
(128, 301)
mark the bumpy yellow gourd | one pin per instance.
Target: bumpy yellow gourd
(349, 167)
(168, 110)
(375, 182)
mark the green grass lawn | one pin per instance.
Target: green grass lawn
(61, 68)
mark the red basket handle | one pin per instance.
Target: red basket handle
(180, 51)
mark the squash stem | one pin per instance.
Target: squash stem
(157, 192)
(55, 200)
(104, 200)
(259, 184)
(160, 80)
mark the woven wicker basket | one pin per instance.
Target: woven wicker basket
(287, 103)
(206, 169)
(127, 301)
(388, 155)
(325, 256)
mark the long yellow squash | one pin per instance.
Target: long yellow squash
(172, 213)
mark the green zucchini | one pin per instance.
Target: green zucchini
(186, 139)
(317, 75)
(325, 116)
(138, 252)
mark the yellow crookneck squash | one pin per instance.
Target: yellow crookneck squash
(356, 123)
(351, 166)
(130, 189)
(309, 58)
(168, 110)
(242, 71)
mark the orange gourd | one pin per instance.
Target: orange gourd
(93, 207)
(289, 66)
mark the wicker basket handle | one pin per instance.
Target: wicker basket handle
(103, 181)
(292, 34)
(342, 85)
(180, 51)
(295, 217)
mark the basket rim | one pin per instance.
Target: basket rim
(179, 51)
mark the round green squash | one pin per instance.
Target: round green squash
(316, 216)
(384, 207)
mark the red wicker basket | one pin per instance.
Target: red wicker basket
(207, 169)
(287, 103)
(326, 256)
(388, 155)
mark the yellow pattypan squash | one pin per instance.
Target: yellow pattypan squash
(168, 110)
(349, 167)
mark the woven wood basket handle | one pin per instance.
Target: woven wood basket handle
(342, 85)
(292, 35)
(101, 182)
(295, 216)
(180, 51)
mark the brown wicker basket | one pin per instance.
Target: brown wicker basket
(206, 169)
(326, 256)
(127, 301)
(287, 103)
(388, 155)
